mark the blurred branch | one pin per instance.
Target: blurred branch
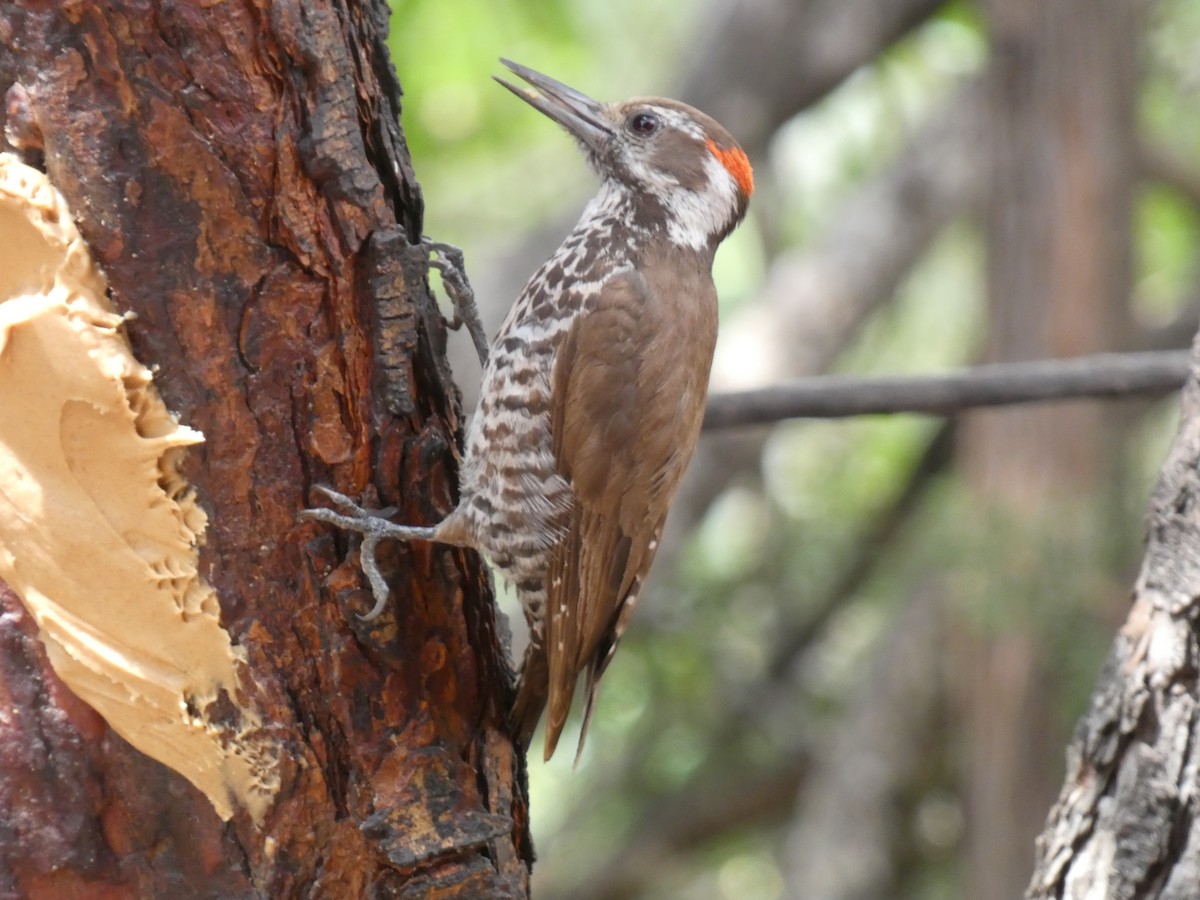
(689, 820)
(833, 396)
(1162, 164)
(1176, 333)
(1171, 170)
(759, 62)
(815, 300)
(869, 550)
(676, 823)
(842, 842)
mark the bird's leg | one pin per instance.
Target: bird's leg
(448, 260)
(374, 526)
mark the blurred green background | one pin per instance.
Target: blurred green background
(866, 641)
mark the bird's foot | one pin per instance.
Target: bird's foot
(448, 260)
(374, 527)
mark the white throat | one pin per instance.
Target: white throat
(694, 217)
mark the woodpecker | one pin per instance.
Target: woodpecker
(593, 392)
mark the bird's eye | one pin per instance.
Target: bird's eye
(643, 123)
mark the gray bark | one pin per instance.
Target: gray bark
(1127, 822)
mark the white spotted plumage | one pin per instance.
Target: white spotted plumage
(510, 431)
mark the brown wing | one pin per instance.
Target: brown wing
(627, 398)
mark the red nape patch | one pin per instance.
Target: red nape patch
(736, 164)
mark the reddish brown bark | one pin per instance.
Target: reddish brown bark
(239, 173)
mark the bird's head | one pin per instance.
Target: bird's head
(688, 172)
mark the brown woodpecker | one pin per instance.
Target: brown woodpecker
(593, 391)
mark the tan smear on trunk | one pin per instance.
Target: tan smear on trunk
(99, 533)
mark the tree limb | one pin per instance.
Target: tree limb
(1103, 375)
(686, 821)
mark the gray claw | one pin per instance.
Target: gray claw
(351, 509)
(379, 588)
(340, 500)
(374, 527)
(448, 260)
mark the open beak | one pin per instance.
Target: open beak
(582, 116)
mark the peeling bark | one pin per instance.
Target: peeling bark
(239, 172)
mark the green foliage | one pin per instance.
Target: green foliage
(1167, 232)
(488, 161)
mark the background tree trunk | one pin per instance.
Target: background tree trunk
(1060, 93)
(239, 172)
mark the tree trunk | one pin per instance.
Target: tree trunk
(1060, 93)
(1127, 823)
(239, 174)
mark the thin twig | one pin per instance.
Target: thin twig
(1105, 375)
